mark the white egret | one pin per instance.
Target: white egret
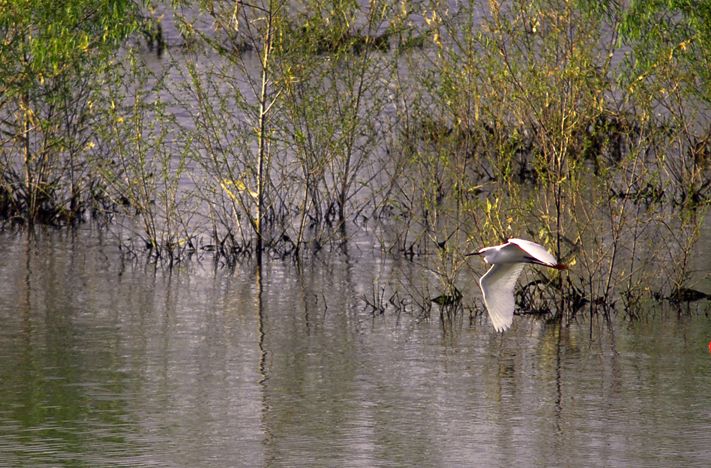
(498, 283)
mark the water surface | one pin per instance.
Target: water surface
(109, 361)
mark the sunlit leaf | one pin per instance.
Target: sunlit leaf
(228, 185)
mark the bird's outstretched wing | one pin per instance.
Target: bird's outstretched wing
(497, 285)
(535, 251)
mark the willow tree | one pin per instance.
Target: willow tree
(234, 94)
(578, 123)
(50, 55)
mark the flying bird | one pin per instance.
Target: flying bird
(497, 284)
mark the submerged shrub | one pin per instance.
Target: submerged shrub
(50, 59)
(282, 126)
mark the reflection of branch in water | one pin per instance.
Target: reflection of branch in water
(260, 325)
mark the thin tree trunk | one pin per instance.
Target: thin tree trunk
(262, 163)
(30, 192)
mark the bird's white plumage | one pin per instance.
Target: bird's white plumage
(497, 285)
(534, 250)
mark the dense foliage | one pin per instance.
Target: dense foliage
(278, 126)
(51, 55)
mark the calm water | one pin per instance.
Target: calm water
(104, 362)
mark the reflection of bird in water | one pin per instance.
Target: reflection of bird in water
(498, 283)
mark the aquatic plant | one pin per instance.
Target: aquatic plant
(50, 59)
(283, 127)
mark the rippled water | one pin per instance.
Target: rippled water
(104, 361)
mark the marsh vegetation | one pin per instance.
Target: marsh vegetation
(286, 129)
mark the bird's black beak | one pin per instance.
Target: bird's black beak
(472, 253)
